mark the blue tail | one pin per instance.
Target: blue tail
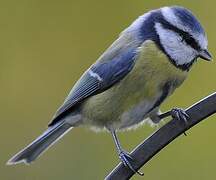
(42, 143)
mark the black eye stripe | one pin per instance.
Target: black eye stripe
(185, 35)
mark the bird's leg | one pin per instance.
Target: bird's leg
(123, 155)
(178, 113)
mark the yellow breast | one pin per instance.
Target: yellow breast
(143, 85)
(151, 72)
(156, 67)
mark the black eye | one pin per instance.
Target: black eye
(187, 38)
(182, 38)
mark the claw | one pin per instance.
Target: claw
(124, 157)
(180, 114)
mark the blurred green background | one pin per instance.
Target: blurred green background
(44, 48)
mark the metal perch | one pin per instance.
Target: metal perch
(162, 137)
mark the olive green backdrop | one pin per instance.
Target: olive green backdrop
(44, 48)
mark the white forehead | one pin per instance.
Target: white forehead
(171, 17)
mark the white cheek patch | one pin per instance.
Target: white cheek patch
(170, 16)
(174, 47)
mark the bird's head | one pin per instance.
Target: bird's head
(177, 32)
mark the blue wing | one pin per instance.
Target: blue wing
(99, 77)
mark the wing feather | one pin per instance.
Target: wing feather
(100, 76)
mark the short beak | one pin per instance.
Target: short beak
(204, 54)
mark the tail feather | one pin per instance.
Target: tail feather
(42, 143)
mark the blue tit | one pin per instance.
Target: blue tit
(130, 80)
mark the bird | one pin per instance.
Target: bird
(127, 84)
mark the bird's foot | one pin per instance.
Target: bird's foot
(180, 114)
(125, 159)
